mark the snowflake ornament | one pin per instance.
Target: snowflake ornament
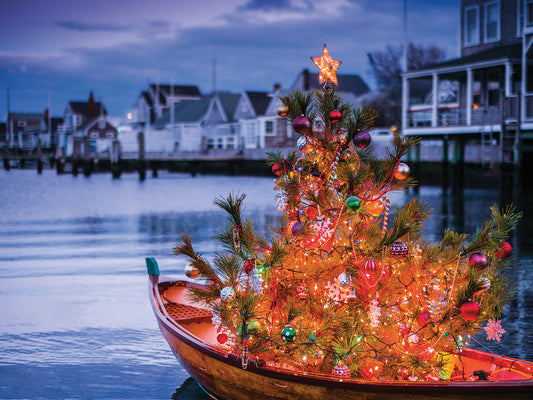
(335, 292)
(255, 281)
(323, 229)
(494, 330)
(281, 201)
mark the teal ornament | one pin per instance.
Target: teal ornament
(353, 203)
(288, 334)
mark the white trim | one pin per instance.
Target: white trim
(429, 131)
(469, 94)
(475, 41)
(458, 68)
(498, 22)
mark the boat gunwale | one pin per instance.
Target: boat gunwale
(317, 379)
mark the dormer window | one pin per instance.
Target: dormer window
(471, 28)
(492, 21)
(77, 120)
(101, 124)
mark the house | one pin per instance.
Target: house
(86, 129)
(485, 96)
(23, 131)
(221, 129)
(181, 130)
(154, 102)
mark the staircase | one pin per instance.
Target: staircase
(487, 147)
(509, 139)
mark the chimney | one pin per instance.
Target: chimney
(277, 86)
(307, 79)
(92, 105)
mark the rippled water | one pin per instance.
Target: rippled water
(75, 318)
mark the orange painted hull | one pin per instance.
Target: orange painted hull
(192, 339)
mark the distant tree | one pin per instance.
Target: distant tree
(387, 69)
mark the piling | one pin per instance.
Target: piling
(142, 164)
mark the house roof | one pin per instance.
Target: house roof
(260, 101)
(510, 52)
(83, 108)
(229, 102)
(177, 90)
(185, 111)
(346, 83)
(147, 98)
(513, 51)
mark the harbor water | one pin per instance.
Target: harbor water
(75, 320)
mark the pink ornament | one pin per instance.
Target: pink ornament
(341, 371)
(276, 169)
(301, 125)
(478, 260)
(505, 251)
(470, 310)
(399, 250)
(494, 330)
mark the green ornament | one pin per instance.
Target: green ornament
(253, 326)
(353, 202)
(288, 334)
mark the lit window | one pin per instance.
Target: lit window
(471, 26)
(492, 22)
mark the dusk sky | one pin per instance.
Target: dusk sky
(63, 49)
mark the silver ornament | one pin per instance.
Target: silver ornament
(402, 171)
(191, 271)
(344, 279)
(303, 145)
(227, 293)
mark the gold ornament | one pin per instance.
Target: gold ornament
(402, 171)
(327, 66)
(283, 110)
(375, 208)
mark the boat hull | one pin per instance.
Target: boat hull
(222, 375)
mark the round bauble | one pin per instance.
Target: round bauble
(222, 338)
(399, 250)
(370, 266)
(311, 212)
(301, 125)
(470, 310)
(296, 228)
(226, 293)
(335, 116)
(303, 145)
(276, 169)
(288, 334)
(344, 280)
(505, 251)
(478, 260)
(423, 318)
(374, 208)
(402, 171)
(283, 110)
(362, 139)
(341, 371)
(191, 271)
(353, 202)
(366, 372)
(253, 326)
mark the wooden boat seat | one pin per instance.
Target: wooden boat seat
(178, 306)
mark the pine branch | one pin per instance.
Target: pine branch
(196, 259)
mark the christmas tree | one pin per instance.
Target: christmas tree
(338, 288)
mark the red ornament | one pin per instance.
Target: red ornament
(311, 212)
(505, 251)
(478, 260)
(368, 272)
(335, 116)
(470, 310)
(366, 372)
(276, 169)
(423, 318)
(301, 125)
(399, 250)
(222, 338)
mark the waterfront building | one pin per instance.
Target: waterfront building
(484, 98)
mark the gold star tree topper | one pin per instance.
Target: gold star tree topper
(327, 66)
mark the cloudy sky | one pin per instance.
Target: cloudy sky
(59, 50)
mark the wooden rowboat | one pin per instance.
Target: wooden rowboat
(192, 337)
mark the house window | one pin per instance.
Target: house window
(110, 135)
(22, 123)
(230, 143)
(220, 143)
(529, 12)
(471, 26)
(210, 143)
(77, 120)
(492, 22)
(94, 135)
(269, 128)
(101, 124)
